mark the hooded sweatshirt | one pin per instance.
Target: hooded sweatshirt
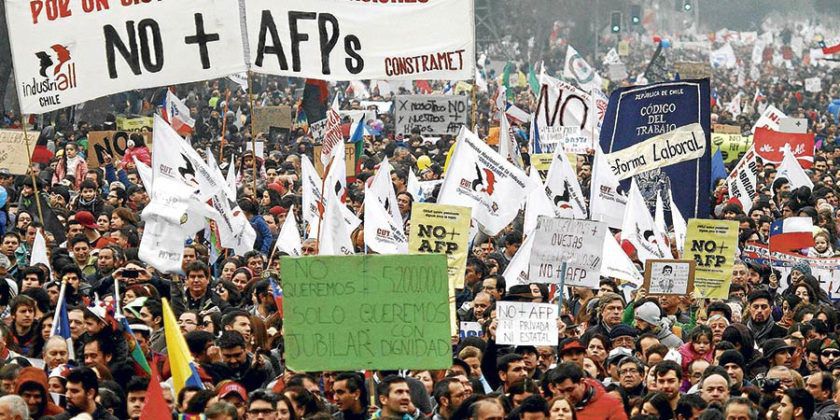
(38, 377)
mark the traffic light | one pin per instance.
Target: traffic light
(687, 6)
(635, 14)
(615, 22)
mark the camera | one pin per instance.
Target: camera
(131, 273)
(771, 385)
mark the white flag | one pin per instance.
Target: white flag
(288, 240)
(382, 188)
(231, 177)
(334, 235)
(335, 173)
(617, 264)
(578, 70)
(743, 179)
(508, 147)
(383, 234)
(792, 170)
(639, 228)
(517, 270)
(413, 187)
(680, 227)
(482, 180)
(563, 188)
(659, 216)
(39, 250)
(311, 199)
(144, 172)
(360, 91)
(606, 204)
(538, 204)
(734, 106)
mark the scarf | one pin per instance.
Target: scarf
(761, 331)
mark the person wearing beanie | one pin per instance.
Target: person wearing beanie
(623, 335)
(761, 322)
(648, 318)
(735, 364)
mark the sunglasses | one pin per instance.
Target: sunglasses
(831, 353)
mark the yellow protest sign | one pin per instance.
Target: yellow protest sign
(712, 244)
(542, 161)
(13, 152)
(623, 48)
(732, 146)
(135, 124)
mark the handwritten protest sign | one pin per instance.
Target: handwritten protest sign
(366, 312)
(568, 249)
(442, 229)
(712, 245)
(526, 324)
(135, 124)
(13, 151)
(669, 277)
(112, 143)
(732, 146)
(825, 270)
(431, 114)
(68, 52)
(349, 159)
(726, 129)
(271, 116)
(330, 40)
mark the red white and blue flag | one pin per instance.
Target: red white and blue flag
(830, 46)
(277, 292)
(791, 234)
(177, 114)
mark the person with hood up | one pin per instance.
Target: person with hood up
(31, 384)
(649, 319)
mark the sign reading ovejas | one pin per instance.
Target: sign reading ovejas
(67, 52)
(347, 40)
(641, 119)
(682, 144)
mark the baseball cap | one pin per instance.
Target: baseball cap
(571, 344)
(85, 218)
(233, 388)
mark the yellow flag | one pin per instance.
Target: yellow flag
(180, 358)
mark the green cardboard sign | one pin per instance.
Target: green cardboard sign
(366, 312)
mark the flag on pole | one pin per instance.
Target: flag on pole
(136, 351)
(61, 322)
(278, 295)
(288, 241)
(718, 167)
(177, 114)
(184, 372)
(791, 233)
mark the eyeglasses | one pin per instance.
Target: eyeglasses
(628, 372)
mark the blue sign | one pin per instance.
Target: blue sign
(638, 113)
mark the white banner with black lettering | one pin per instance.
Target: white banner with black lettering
(567, 249)
(682, 144)
(743, 178)
(68, 52)
(355, 40)
(526, 324)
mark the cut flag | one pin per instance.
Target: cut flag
(718, 168)
(61, 322)
(791, 233)
(288, 241)
(177, 114)
(184, 372)
(277, 293)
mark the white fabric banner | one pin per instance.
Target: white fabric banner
(684, 143)
(770, 118)
(723, 57)
(482, 180)
(288, 240)
(67, 52)
(792, 170)
(517, 270)
(340, 40)
(606, 204)
(563, 188)
(618, 264)
(743, 179)
(538, 204)
(639, 228)
(382, 188)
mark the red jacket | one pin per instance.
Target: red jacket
(601, 406)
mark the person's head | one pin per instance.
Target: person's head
(740, 408)
(449, 393)
(714, 388)
(239, 321)
(657, 404)
(198, 278)
(347, 390)
(701, 339)
(98, 350)
(13, 407)
(695, 369)
(630, 372)
(533, 408)
(796, 403)
(718, 322)
(233, 349)
(560, 409)
(82, 388)
(394, 396)
(760, 303)
(689, 407)
(820, 385)
(611, 307)
(668, 376)
(262, 405)
(135, 397)
(23, 312)
(734, 364)
(487, 409)
(569, 383)
(55, 352)
(511, 368)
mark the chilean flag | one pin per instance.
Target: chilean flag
(831, 46)
(791, 233)
(277, 293)
(177, 114)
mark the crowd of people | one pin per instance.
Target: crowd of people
(766, 351)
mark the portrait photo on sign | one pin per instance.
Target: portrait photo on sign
(669, 277)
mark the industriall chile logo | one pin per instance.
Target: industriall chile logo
(484, 182)
(57, 74)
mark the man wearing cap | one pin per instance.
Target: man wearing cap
(735, 365)
(610, 307)
(623, 335)
(90, 232)
(761, 322)
(649, 319)
(572, 350)
(234, 394)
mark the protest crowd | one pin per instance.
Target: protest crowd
(110, 311)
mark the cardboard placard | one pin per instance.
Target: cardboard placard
(526, 324)
(349, 159)
(669, 277)
(111, 142)
(568, 249)
(271, 116)
(135, 124)
(13, 151)
(366, 312)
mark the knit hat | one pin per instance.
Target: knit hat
(732, 356)
(649, 313)
(623, 330)
(802, 267)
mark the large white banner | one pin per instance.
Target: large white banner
(67, 52)
(353, 40)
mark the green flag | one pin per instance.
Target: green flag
(509, 67)
(532, 80)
